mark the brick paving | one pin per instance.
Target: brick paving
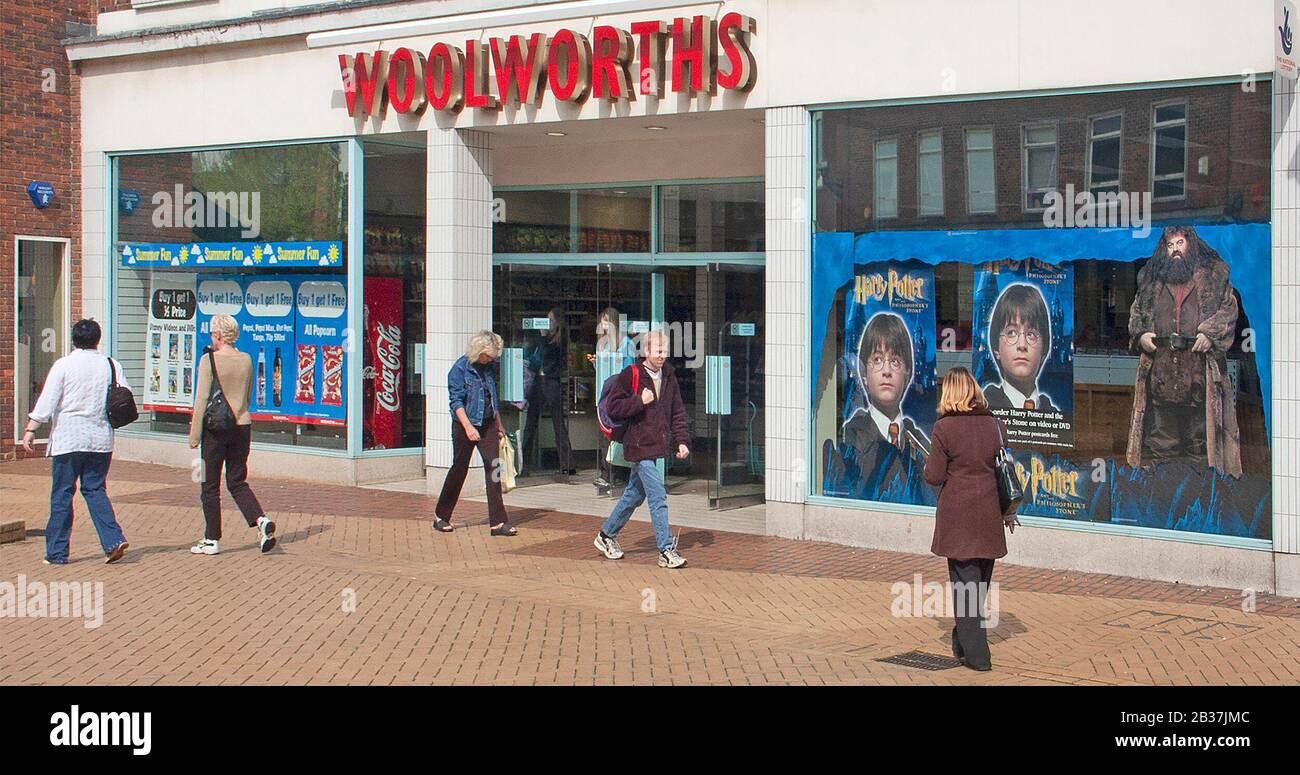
(361, 591)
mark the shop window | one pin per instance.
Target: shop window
(595, 220)
(886, 179)
(929, 174)
(392, 379)
(711, 217)
(533, 222)
(613, 220)
(893, 309)
(1105, 149)
(257, 233)
(980, 194)
(1169, 151)
(1039, 156)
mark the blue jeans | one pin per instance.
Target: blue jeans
(91, 468)
(643, 482)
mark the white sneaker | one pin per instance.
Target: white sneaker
(205, 547)
(266, 532)
(669, 558)
(608, 547)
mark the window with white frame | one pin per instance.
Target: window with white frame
(886, 177)
(980, 194)
(1038, 159)
(1105, 151)
(929, 173)
(1169, 151)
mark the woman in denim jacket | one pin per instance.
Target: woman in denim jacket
(472, 385)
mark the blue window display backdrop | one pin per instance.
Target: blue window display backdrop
(1208, 493)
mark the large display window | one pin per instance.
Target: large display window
(260, 234)
(1102, 265)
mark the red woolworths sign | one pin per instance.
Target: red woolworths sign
(568, 64)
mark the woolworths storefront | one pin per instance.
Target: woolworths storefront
(827, 204)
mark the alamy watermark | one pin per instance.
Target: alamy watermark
(685, 338)
(209, 210)
(945, 600)
(53, 600)
(1105, 209)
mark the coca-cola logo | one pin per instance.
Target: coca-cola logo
(388, 353)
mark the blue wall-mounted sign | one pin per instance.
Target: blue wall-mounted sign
(127, 200)
(41, 193)
(196, 255)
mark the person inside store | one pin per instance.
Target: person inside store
(1020, 334)
(549, 360)
(225, 374)
(615, 350)
(1182, 322)
(74, 398)
(476, 423)
(968, 524)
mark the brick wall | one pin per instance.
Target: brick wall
(39, 140)
(1225, 124)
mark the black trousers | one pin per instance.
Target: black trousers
(1176, 432)
(228, 449)
(548, 394)
(970, 583)
(462, 450)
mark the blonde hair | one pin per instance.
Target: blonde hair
(653, 335)
(226, 328)
(960, 392)
(483, 342)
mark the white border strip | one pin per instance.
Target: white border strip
(478, 20)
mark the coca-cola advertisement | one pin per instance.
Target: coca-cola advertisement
(382, 375)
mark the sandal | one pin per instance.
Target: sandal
(505, 529)
(442, 525)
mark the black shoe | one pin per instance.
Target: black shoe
(980, 668)
(569, 471)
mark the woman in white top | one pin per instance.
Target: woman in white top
(75, 398)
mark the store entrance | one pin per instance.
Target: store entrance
(552, 318)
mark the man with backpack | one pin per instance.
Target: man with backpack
(644, 408)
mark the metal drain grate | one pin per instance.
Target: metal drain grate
(922, 661)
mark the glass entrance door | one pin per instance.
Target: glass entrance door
(42, 320)
(715, 317)
(549, 317)
(571, 327)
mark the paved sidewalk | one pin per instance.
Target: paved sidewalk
(361, 591)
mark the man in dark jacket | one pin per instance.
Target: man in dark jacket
(654, 426)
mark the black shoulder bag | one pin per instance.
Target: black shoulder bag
(120, 402)
(217, 415)
(1010, 493)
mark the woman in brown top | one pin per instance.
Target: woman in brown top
(227, 448)
(968, 524)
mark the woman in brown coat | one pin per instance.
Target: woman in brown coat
(969, 522)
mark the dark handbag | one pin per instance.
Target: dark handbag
(1010, 493)
(120, 402)
(217, 414)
